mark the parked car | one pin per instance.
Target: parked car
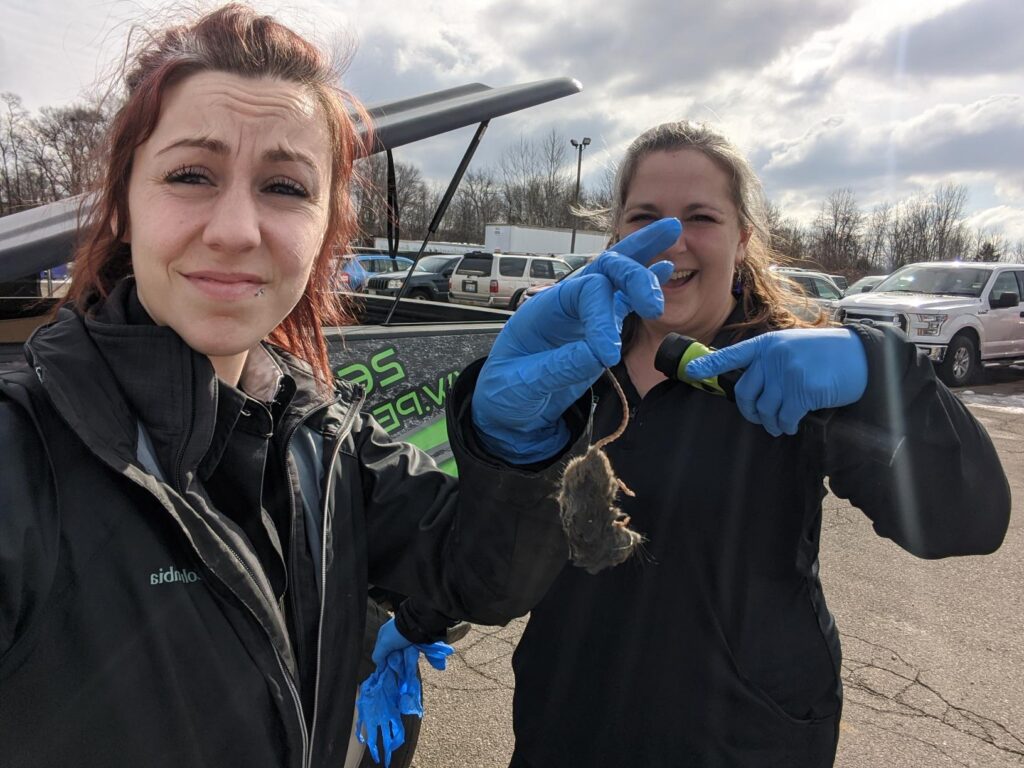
(577, 260)
(865, 284)
(819, 288)
(493, 279)
(963, 315)
(429, 279)
(581, 261)
(356, 268)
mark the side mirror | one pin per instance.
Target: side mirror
(1004, 300)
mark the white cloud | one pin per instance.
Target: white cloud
(884, 96)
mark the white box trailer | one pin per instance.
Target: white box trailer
(381, 244)
(516, 238)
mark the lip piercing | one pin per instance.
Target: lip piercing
(260, 292)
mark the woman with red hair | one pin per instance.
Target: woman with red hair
(191, 508)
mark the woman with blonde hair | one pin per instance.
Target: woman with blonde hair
(717, 648)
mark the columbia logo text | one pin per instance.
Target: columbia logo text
(170, 575)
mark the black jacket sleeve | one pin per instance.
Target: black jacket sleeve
(914, 459)
(29, 529)
(483, 548)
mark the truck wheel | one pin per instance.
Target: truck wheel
(960, 366)
(419, 294)
(517, 298)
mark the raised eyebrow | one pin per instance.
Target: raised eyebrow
(210, 145)
(278, 155)
(281, 155)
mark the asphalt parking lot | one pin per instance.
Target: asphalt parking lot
(933, 650)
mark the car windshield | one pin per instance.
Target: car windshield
(432, 263)
(951, 281)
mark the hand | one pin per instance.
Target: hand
(789, 373)
(556, 345)
(389, 639)
(393, 689)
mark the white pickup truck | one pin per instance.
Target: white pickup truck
(963, 315)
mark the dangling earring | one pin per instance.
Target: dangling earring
(737, 286)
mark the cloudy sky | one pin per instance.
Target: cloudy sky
(886, 97)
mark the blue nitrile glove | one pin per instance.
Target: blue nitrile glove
(388, 639)
(789, 373)
(393, 689)
(556, 345)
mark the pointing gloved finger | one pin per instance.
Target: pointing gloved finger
(727, 359)
(643, 245)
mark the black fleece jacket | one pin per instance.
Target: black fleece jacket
(140, 623)
(715, 648)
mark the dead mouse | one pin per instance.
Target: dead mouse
(597, 530)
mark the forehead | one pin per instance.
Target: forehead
(227, 107)
(685, 174)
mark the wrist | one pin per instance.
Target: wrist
(521, 446)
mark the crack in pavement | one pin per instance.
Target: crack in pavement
(899, 689)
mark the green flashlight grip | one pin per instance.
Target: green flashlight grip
(676, 351)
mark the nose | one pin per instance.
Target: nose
(234, 223)
(679, 246)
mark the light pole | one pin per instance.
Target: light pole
(576, 197)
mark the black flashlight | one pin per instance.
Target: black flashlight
(677, 350)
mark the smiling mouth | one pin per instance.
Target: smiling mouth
(681, 277)
(225, 287)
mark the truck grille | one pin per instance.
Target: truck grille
(894, 319)
(378, 283)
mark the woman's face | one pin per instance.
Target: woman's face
(228, 206)
(689, 186)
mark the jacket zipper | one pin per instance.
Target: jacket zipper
(342, 431)
(179, 481)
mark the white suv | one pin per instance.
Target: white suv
(963, 315)
(493, 279)
(819, 288)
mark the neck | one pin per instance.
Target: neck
(229, 368)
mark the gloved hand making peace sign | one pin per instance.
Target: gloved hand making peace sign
(556, 345)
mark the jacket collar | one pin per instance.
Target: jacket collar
(115, 368)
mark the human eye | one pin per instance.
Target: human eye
(282, 185)
(640, 217)
(188, 174)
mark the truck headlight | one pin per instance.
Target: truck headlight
(394, 284)
(927, 325)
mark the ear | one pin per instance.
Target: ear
(126, 238)
(741, 248)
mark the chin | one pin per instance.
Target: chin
(219, 344)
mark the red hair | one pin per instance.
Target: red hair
(235, 40)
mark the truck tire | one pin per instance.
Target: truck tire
(420, 294)
(960, 365)
(517, 298)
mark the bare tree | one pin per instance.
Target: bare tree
(948, 232)
(836, 232)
